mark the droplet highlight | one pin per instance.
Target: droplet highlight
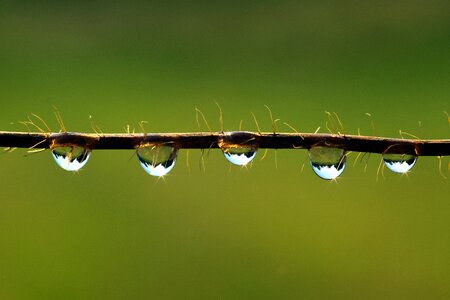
(71, 158)
(157, 160)
(399, 163)
(327, 163)
(239, 156)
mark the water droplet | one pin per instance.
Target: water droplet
(71, 158)
(239, 155)
(399, 163)
(157, 160)
(327, 163)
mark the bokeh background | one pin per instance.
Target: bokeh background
(111, 231)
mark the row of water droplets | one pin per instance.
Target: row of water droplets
(158, 160)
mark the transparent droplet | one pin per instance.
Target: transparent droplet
(157, 160)
(327, 163)
(399, 163)
(239, 155)
(71, 158)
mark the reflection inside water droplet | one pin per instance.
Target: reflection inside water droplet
(327, 163)
(157, 160)
(399, 163)
(239, 156)
(71, 158)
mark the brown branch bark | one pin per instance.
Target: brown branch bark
(201, 140)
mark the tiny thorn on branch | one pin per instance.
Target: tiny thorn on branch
(201, 140)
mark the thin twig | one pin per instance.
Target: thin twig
(199, 140)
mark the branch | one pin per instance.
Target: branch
(201, 140)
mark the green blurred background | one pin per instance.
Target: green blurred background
(113, 232)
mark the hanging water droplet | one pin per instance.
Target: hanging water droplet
(327, 163)
(157, 160)
(239, 155)
(399, 163)
(71, 158)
